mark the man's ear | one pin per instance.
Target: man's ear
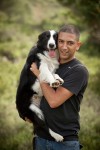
(78, 45)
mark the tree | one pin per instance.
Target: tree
(89, 11)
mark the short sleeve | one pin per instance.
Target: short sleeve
(76, 79)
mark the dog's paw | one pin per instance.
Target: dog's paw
(61, 81)
(56, 136)
(59, 138)
(55, 84)
(57, 78)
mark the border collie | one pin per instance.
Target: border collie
(29, 92)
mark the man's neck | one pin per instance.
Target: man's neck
(65, 61)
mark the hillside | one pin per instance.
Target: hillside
(20, 24)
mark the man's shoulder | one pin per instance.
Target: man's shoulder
(80, 71)
(76, 70)
(82, 68)
(79, 66)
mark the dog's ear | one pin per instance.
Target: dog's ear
(40, 39)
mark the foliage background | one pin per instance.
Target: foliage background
(21, 22)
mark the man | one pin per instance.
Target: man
(61, 106)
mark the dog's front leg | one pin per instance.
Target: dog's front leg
(61, 81)
(45, 74)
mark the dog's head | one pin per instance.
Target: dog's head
(47, 41)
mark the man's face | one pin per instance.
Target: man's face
(67, 46)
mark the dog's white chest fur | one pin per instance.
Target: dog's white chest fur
(47, 69)
(46, 60)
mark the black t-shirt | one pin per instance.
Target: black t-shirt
(64, 119)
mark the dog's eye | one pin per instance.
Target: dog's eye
(47, 35)
(55, 36)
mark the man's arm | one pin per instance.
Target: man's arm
(54, 98)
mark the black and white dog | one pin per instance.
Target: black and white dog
(29, 92)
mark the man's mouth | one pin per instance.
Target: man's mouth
(64, 53)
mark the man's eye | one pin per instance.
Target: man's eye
(60, 41)
(70, 43)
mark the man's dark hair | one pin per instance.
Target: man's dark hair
(70, 29)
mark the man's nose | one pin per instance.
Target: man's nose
(64, 45)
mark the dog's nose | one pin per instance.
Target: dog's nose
(51, 45)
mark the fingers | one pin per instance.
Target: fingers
(33, 67)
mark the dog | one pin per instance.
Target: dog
(29, 92)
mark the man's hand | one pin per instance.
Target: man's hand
(34, 69)
(28, 120)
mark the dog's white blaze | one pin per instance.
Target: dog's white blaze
(51, 40)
